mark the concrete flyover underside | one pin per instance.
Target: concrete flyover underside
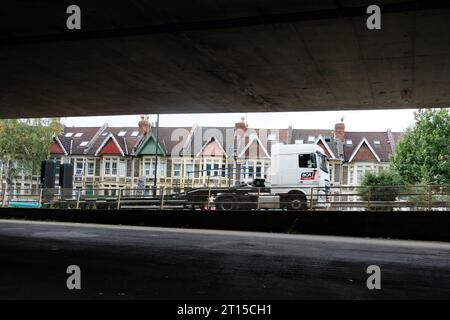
(226, 56)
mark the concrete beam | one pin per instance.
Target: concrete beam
(289, 57)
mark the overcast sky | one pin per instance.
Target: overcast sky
(367, 120)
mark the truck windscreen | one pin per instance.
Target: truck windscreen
(322, 162)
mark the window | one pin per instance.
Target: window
(216, 169)
(107, 167)
(78, 135)
(251, 171)
(114, 168)
(79, 168)
(307, 160)
(122, 168)
(122, 133)
(189, 170)
(162, 169)
(223, 170)
(212, 168)
(110, 166)
(176, 169)
(69, 134)
(258, 170)
(84, 143)
(299, 141)
(349, 142)
(359, 176)
(376, 142)
(135, 133)
(271, 137)
(90, 167)
(311, 138)
(147, 168)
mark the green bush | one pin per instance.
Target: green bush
(384, 186)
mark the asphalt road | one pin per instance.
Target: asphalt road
(154, 263)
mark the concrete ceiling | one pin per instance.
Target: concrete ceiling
(178, 56)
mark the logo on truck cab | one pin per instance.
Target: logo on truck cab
(310, 175)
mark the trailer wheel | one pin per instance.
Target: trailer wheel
(226, 204)
(296, 202)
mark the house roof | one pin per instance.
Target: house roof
(113, 145)
(73, 143)
(383, 150)
(189, 141)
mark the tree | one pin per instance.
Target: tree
(422, 155)
(384, 186)
(24, 144)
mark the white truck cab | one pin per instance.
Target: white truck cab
(299, 175)
(298, 180)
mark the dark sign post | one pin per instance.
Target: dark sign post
(48, 173)
(155, 176)
(66, 179)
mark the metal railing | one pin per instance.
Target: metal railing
(341, 198)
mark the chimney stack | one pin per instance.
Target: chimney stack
(144, 125)
(240, 130)
(339, 130)
(241, 125)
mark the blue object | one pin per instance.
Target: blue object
(23, 203)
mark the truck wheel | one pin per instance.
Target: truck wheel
(296, 202)
(226, 204)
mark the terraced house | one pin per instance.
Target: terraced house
(106, 158)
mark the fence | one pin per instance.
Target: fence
(344, 198)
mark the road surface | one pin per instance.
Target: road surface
(119, 262)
